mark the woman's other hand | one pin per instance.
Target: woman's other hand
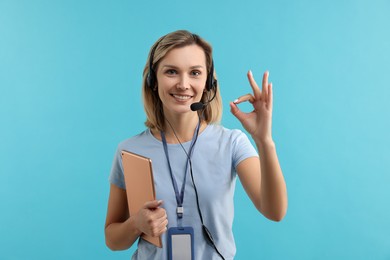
(152, 219)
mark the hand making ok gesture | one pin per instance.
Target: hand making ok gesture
(258, 123)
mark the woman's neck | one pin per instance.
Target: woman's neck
(180, 128)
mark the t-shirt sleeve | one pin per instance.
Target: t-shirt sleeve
(116, 175)
(242, 148)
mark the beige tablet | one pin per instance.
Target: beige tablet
(139, 185)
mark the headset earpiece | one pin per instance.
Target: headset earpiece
(151, 78)
(211, 82)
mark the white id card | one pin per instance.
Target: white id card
(181, 243)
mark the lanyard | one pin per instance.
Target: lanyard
(179, 196)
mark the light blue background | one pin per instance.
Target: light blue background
(70, 76)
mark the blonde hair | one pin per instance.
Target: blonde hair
(152, 102)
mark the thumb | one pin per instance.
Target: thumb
(153, 204)
(236, 111)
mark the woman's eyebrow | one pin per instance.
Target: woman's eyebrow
(175, 67)
(170, 66)
(197, 67)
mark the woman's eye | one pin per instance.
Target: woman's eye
(195, 73)
(171, 72)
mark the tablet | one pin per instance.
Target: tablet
(139, 186)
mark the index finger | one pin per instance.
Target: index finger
(244, 98)
(255, 87)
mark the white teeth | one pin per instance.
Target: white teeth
(182, 97)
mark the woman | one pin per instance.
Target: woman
(195, 160)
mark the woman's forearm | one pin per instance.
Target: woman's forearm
(121, 236)
(273, 186)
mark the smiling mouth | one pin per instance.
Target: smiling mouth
(181, 97)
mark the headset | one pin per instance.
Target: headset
(151, 79)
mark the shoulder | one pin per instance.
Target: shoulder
(142, 138)
(144, 144)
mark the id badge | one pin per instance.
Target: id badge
(181, 243)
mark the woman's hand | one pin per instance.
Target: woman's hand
(151, 219)
(258, 123)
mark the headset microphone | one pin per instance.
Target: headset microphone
(200, 105)
(197, 106)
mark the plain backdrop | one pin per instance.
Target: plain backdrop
(70, 91)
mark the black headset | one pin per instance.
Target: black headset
(151, 79)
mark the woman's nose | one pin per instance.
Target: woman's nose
(183, 83)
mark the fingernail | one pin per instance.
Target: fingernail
(235, 101)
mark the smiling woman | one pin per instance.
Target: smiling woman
(181, 78)
(194, 215)
(162, 48)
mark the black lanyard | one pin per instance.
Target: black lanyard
(179, 196)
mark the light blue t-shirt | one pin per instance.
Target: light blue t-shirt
(216, 154)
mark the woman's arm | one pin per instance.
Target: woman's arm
(262, 178)
(121, 231)
(264, 183)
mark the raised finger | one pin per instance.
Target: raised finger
(265, 85)
(255, 87)
(270, 95)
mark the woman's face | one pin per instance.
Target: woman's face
(181, 78)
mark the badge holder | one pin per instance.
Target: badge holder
(181, 243)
